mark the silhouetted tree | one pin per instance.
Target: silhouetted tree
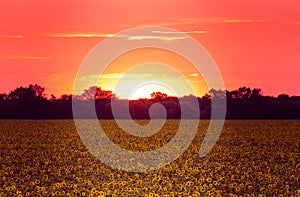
(158, 96)
(95, 92)
(27, 94)
(256, 93)
(217, 94)
(242, 103)
(53, 97)
(3, 97)
(66, 97)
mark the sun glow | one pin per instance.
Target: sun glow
(145, 91)
(147, 70)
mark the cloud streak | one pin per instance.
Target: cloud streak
(163, 38)
(12, 36)
(111, 76)
(185, 32)
(78, 35)
(221, 20)
(127, 37)
(194, 75)
(190, 21)
(160, 22)
(241, 21)
(24, 57)
(117, 76)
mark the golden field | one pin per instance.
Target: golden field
(251, 158)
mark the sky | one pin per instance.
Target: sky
(254, 43)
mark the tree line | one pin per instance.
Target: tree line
(243, 103)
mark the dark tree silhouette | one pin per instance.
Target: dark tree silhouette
(95, 92)
(3, 97)
(243, 103)
(30, 93)
(25, 102)
(158, 96)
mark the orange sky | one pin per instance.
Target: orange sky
(254, 43)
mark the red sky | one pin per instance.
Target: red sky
(254, 43)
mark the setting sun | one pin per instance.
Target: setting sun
(143, 71)
(145, 91)
(149, 98)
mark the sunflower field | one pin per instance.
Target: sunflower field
(251, 158)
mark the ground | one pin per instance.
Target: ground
(251, 158)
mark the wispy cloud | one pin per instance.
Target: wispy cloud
(220, 20)
(103, 35)
(24, 57)
(112, 76)
(132, 76)
(189, 21)
(156, 35)
(194, 75)
(163, 38)
(185, 32)
(12, 36)
(157, 22)
(78, 35)
(241, 21)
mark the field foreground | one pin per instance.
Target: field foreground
(251, 158)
